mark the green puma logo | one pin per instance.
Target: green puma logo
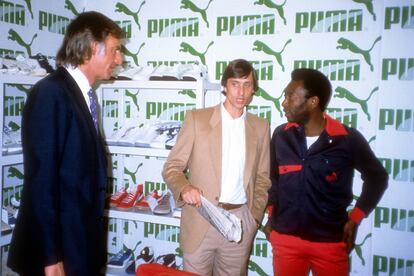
(132, 174)
(15, 173)
(368, 4)
(358, 248)
(373, 138)
(14, 36)
(21, 87)
(134, 56)
(187, 4)
(69, 6)
(346, 94)
(254, 267)
(187, 48)
(29, 7)
(271, 5)
(13, 126)
(134, 97)
(188, 92)
(261, 46)
(276, 101)
(344, 43)
(124, 9)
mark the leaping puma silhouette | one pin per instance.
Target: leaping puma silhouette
(187, 48)
(187, 4)
(134, 56)
(343, 93)
(134, 97)
(370, 7)
(69, 6)
(14, 36)
(132, 174)
(271, 5)
(358, 249)
(276, 101)
(15, 173)
(29, 7)
(261, 46)
(344, 43)
(21, 87)
(119, 7)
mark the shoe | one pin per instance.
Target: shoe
(113, 139)
(129, 73)
(116, 198)
(129, 137)
(166, 133)
(166, 260)
(12, 140)
(148, 202)
(159, 73)
(43, 62)
(148, 134)
(146, 256)
(132, 197)
(121, 259)
(164, 206)
(144, 74)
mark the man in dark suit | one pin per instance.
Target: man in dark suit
(59, 229)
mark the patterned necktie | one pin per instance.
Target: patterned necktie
(93, 106)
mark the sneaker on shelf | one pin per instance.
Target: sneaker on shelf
(148, 202)
(128, 73)
(145, 256)
(116, 198)
(148, 134)
(12, 140)
(159, 73)
(167, 260)
(163, 207)
(113, 139)
(121, 259)
(144, 74)
(177, 212)
(128, 201)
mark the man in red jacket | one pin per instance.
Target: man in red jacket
(313, 158)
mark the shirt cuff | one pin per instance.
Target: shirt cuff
(356, 215)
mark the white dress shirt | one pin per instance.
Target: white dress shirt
(81, 81)
(233, 158)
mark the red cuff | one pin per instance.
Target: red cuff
(269, 210)
(356, 215)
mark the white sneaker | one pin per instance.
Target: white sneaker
(144, 74)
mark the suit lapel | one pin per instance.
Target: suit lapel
(251, 144)
(214, 139)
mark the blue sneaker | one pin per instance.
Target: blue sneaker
(146, 256)
(121, 259)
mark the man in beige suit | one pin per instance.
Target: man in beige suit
(226, 151)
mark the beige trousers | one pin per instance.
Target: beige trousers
(219, 257)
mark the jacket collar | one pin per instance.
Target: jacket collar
(332, 127)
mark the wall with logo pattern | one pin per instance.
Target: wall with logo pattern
(364, 47)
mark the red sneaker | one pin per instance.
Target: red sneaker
(117, 197)
(145, 202)
(129, 201)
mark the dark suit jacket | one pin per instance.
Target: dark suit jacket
(61, 213)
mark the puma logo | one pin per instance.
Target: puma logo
(14, 36)
(370, 7)
(132, 174)
(187, 48)
(134, 56)
(187, 4)
(188, 92)
(134, 97)
(29, 7)
(13, 126)
(119, 7)
(341, 92)
(69, 6)
(271, 5)
(254, 267)
(372, 139)
(344, 43)
(358, 248)
(22, 87)
(266, 96)
(261, 46)
(13, 172)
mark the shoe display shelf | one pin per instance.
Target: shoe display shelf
(14, 89)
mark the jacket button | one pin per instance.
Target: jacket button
(216, 198)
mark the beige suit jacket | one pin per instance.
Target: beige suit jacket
(198, 148)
